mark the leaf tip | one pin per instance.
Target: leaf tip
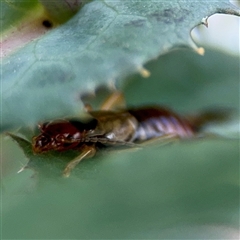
(205, 21)
(144, 72)
(200, 51)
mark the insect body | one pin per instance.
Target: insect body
(155, 122)
(109, 128)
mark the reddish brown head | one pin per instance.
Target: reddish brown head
(60, 135)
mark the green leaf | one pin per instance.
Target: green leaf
(184, 190)
(13, 11)
(157, 192)
(102, 44)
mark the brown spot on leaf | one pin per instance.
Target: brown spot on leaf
(170, 15)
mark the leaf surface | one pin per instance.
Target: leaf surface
(102, 44)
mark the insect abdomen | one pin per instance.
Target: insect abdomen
(155, 122)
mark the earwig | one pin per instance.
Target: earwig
(110, 128)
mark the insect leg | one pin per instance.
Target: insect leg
(114, 101)
(87, 152)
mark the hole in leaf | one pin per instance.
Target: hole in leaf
(47, 23)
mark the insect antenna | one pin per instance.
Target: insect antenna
(102, 140)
